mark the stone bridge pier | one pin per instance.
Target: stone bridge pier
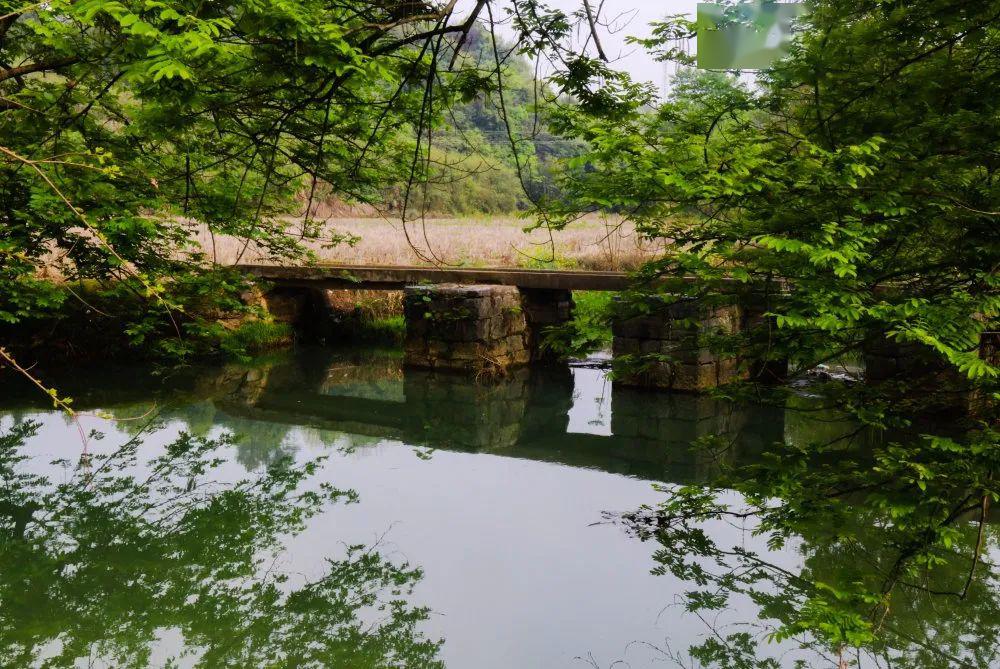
(479, 328)
(544, 308)
(940, 387)
(680, 344)
(672, 346)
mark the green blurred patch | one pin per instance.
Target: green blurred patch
(747, 36)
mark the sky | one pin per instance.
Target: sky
(633, 18)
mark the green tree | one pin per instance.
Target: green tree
(126, 125)
(895, 543)
(861, 169)
(861, 172)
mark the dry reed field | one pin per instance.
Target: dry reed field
(592, 243)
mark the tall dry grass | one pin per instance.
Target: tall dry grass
(593, 243)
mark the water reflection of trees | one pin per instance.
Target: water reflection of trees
(894, 554)
(110, 566)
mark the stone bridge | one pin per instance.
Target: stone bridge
(493, 319)
(490, 319)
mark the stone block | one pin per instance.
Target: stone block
(760, 332)
(684, 376)
(880, 367)
(521, 357)
(498, 327)
(938, 386)
(419, 360)
(887, 360)
(642, 327)
(621, 346)
(647, 346)
(728, 370)
(689, 377)
(724, 319)
(465, 328)
(478, 308)
(473, 350)
(516, 342)
(544, 308)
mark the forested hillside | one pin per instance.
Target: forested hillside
(472, 167)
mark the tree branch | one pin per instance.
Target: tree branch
(38, 67)
(412, 18)
(592, 20)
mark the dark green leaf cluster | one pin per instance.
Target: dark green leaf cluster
(852, 191)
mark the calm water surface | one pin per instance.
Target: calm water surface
(485, 513)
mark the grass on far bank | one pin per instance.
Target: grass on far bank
(369, 316)
(593, 243)
(255, 337)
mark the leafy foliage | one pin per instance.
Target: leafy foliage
(852, 190)
(860, 170)
(589, 330)
(128, 126)
(890, 557)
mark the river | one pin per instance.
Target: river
(367, 515)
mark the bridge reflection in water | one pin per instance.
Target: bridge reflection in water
(553, 414)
